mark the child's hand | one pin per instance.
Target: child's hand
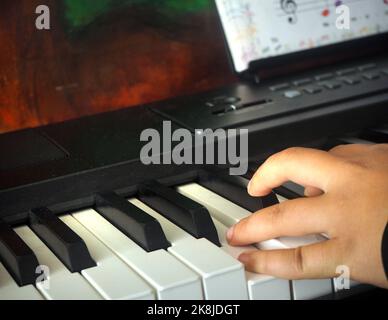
(347, 199)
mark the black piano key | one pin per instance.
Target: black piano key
(17, 257)
(376, 135)
(353, 140)
(184, 212)
(63, 241)
(334, 142)
(290, 190)
(234, 188)
(142, 228)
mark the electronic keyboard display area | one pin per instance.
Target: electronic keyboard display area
(257, 29)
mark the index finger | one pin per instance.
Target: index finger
(307, 167)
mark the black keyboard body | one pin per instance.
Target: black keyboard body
(64, 166)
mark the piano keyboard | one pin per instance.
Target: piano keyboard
(164, 243)
(107, 252)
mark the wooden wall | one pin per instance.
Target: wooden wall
(122, 56)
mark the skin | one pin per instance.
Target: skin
(346, 198)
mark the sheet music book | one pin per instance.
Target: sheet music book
(258, 29)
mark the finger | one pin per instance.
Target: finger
(312, 191)
(349, 150)
(307, 167)
(289, 218)
(308, 262)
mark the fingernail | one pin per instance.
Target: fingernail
(243, 258)
(249, 186)
(229, 234)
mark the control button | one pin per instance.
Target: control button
(367, 67)
(324, 76)
(291, 94)
(313, 90)
(218, 110)
(221, 109)
(222, 101)
(279, 87)
(230, 108)
(232, 100)
(215, 102)
(345, 72)
(218, 100)
(371, 75)
(352, 80)
(331, 85)
(302, 82)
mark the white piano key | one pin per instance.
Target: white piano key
(338, 285)
(220, 208)
(260, 286)
(171, 278)
(225, 211)
(229, 214)
(9, 289)
(62, 284)
(341, 284)
(309, 288)
(112, 278)
(223, 277)
(295, 242)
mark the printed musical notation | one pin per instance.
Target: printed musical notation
(257, 29)
(292, 8)
(289, 7)
(239, 19)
